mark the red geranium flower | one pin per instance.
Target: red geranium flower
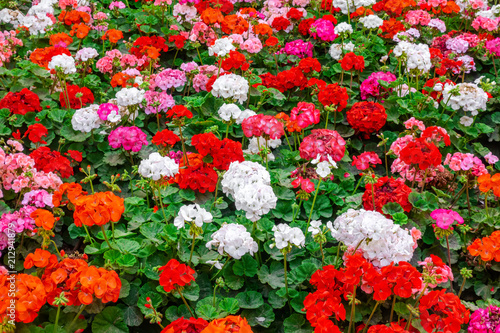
(352, 61)
(333, 95)
(367, 117)
(182, 325)
(79, 97)
(165, 138)
(422, 153)
(179, 111)
(280, 23)
(51, 161)
(174, 275)
(21, 102)
(35, 133)
(387, 190)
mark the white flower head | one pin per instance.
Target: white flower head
(286, 236)
(129, 96)
(234, 240)
(86, 119)
(63, 63)
(192, 213)
(157, 166)
(314, 227)
(229, 112)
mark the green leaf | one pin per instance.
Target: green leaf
(392, 208)
(322, 207)
(152, 231)
(110, 320)
(283, 210)
(206, 310)
(273, 275)
(263, 316)
(57, 115)
(303, 272)
(132, 316)
(495, 117)
(246, 266)
(294, 323)
(250, 300)
(233, 281)
(126, 260)
(188, 195)
(71, 135)
(401, 309)
(128, 246)
(298, 302)
(229, 305)
(275, 300)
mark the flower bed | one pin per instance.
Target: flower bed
(249, 166)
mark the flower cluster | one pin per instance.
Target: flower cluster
(488, 248)
(381, 241)
(129, 138)
(234, 240)
(157, 167)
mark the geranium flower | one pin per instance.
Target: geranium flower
(174, 275)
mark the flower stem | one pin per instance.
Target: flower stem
(461, 287)
(392, 307)
(106, 237)
(353, 309)
(57, 318)
(449, 259)
(82, 307)
(185, 302)
(286, 281)
(312, 206)
(371, 316)
(192, 249)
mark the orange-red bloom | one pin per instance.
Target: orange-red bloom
(41, 258)
(488, 248)
(43, 218)
(72, 190)
(113, 35)
(234, 324)
(487, 183)
(98, 209)
(80, 30)
(60, 37)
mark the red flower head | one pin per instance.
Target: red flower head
(165, 138)
(294, 14)
(182, 325)
(422, 153)
(308, 65)
(352, 61)
(21, 102)
(367, 117)
(174, 275)
(368, 159)
(51, 161)
(280, 23)
(178, 40)
(387, 190)
(436, 94)
(179, 111)
(442, 312)
(333, 95)
(236, 60)
(305, 25)
(79, 97)
(323, 142)
(35, 133)
(436, 134)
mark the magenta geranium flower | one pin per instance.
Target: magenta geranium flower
(446, 217)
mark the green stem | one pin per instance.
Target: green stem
(222, 268)
(326, 122)
(462, 287)
(192, 249)
(370, 318)
(312, 207)
(286, 281)
(296, 213)
(185, 303)
(57, 318)
(394, 297)
(353, 309)
(215, 289)
(106, 237)
(82, 307)
(449, 259)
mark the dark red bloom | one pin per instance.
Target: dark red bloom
(51, 161)
(304, 26)
(75, 155)
(367, 117)
(236, 60)
(280, 23)
(294, 14)
(307, 65)
(387, 190)
(21, 102)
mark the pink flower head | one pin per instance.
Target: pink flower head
(412, 122)
(371, 87)
(105, 109)
(298, 48)
(323, 29)
(366, 160)
(490, 158)
(170, 78)
(435, 267)
(446, 217)
(259, 125)
(323, 142)
(130, 138)
(117, 5)
(158, 101)
(305, 114)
